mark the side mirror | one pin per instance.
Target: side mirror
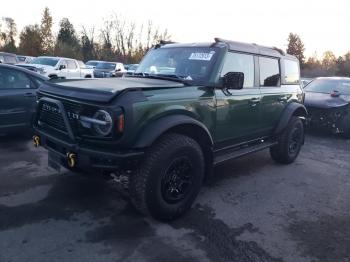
(233, 80)
(62, 67)
(118, 70)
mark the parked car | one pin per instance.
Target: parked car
(93, 63)
(131, 68)
(109, 69)
(8, 58)
(17, 97)
(327, 100)
(59, 67)
(25, 59)
(187, 108)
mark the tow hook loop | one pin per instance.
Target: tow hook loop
(36, 141)
(71, 158)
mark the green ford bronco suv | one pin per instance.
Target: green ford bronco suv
(187, 108)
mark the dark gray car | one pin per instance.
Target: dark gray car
(17, 97)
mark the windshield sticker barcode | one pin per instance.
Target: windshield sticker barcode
(201, 56)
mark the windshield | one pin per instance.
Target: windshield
(188, 63)
(45, 61)
(110, 66)
(329, 85)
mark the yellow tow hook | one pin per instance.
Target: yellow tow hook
(71, 159)
(36, 141)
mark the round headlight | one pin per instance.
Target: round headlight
(105, 123)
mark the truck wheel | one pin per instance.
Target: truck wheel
(289, 142)
(169, 177)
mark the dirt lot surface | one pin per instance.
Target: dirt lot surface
(255, 210)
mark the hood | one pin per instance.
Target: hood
(322, 100)
(102, 90)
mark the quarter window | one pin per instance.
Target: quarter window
(291, 70)
(243, 63)
(269, 72)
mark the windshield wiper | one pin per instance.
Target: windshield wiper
(174, 77)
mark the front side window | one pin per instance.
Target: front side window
(269, 72)
(11, 79)
(291, 71)
(192, 64)
(243, 63)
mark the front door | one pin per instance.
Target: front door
(16, 100)
(238, 110)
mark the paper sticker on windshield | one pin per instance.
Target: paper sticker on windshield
(201, 56)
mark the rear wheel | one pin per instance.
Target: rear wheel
(169, 178)
(289, 142)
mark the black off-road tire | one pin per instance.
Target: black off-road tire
(146, 184)
(293, 135)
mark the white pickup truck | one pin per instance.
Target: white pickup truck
(59, 67)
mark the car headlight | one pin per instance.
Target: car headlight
(104, 124)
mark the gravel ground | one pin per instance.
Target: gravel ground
(254, 210)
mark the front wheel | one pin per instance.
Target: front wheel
(169, 178)
(289, 142)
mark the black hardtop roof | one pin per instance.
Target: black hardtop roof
(237, 46)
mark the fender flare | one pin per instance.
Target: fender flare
(162, 125)
(288, 112)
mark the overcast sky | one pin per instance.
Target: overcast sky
(322, 25)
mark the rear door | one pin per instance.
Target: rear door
(273, 97)
(17, 99)
(238, 110)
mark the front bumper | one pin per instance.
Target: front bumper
(89, 158)
(328, 119)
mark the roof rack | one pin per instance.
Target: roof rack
(279, 50)
(163, 42)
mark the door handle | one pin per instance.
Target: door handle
(254, 101)
(283, 99)
(29, 95)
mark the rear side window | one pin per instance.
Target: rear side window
(269, 72)
(291, 70)
(71, 64)
(244, 63)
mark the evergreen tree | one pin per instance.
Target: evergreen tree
(46, 32)
(296, 48)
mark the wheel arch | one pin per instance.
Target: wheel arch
(293, 109)
(184, 125)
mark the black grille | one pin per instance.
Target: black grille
(51, 117)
